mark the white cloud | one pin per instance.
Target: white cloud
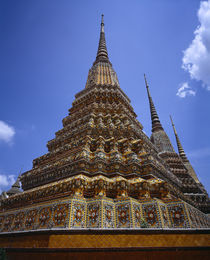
(6, 132)
(196, 59)
(185, 90)
(6, 181)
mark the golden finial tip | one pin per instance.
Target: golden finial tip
(145, 80)
(171, 120)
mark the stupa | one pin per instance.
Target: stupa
(104, 183)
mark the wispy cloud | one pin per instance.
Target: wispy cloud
(7, 132)
(185, 90)
(196, 59)
(6, 181)
(200, 153)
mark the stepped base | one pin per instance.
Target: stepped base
(103, 244)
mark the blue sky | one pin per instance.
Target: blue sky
(48, 46)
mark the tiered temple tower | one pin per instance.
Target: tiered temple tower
(200, 196)
(179, 164)
(102, 171)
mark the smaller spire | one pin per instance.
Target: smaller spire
(3, 195)
(102, 54)
(156, 125)
(15, 187)
(179, 146)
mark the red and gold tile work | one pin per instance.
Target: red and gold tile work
(81, 184)
(30, 220)
(44, 218)
(8, 223)
(61, 215)
(19, 221)
(103, 213)
(2, 218)
(78, 214)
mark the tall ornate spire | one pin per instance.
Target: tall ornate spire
(156, 125)
(102, 54)
(102, 72)
(180, 148)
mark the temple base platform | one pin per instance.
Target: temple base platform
(107, 244)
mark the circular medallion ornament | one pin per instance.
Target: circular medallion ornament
(108, 214)
(60, 214)
(151, 215)
(44, 216)
(18, 221)
(178, 216)
(8, 222)
(138, 214)
(30, 219)
(123, 214)
(1, 221)
(78, 214)
(93, 215)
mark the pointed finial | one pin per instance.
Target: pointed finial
(145, 80)
(173, 125)
(102, 54)
(102, 23)
(171, 120)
